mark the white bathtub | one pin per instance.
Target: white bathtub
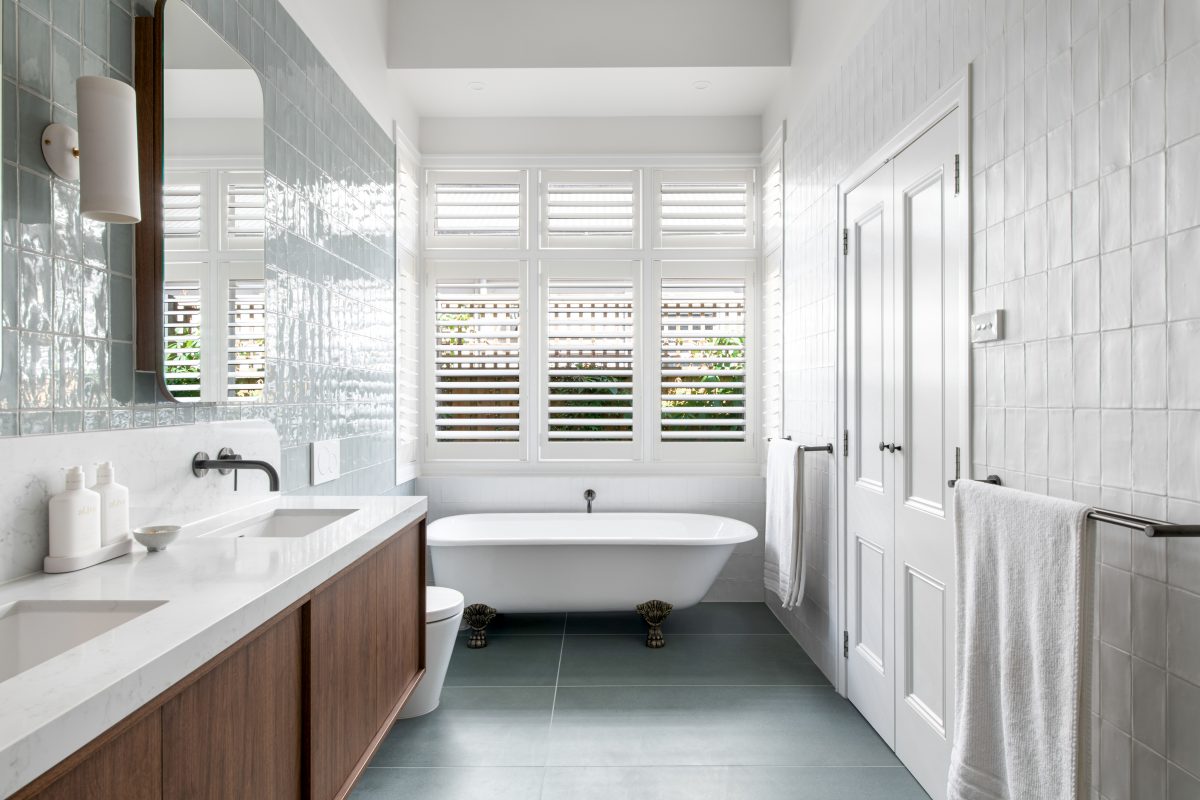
(582, 562)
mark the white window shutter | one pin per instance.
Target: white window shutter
(185, 195)
(183, 352)
(593, 209)
(243, 209)
(772, 205)
(477, 359)
(703, 367)
(246, 332)
(772, 346)
(705, 209)
(476, 210)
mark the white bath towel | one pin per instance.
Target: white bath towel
(1022, 714)
(783, 571)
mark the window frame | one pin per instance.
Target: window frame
(647, 457)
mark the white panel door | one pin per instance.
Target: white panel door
(903, 383)
(929, 218)
(870, 513)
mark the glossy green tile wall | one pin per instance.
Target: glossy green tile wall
(67, 318)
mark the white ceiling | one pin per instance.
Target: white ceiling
(590, 92)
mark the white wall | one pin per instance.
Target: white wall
(739, 497)
(1085, 161)
(352, 35)
(554, 33)
(590, 136)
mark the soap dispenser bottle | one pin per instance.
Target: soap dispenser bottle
(114, 506)
(74, 519)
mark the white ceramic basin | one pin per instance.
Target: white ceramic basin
(33, 631)
(283, 523)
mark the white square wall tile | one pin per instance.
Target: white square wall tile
(1183, 275)
(1085, 145)
(1183, 646)
(1150, 366)
(1116, 369)
(1086, 370)
(1183, 190)
(1183, 95)
(1115, 131)
(1149, 121)
(1085, 296)
(1035, 239)
(1115, 688)
(1114, 605)
(1037, 440)
(1060, 382)
(1058, 231)
(1059, 301)
(1149, 701)
(1085, 221)
(1148, 198)
(1183, 455)
(1086, 467)
(1147, 36)
(1183, 25)
(1115, 300)
(1116, 448)
(1058, 161)
(1114, 210)
(1149, 448)
(1183, 357)
(1148, 276)
(1014, 439)
(1035, 374)
(1085, 70)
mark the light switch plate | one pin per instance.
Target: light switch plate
(987, 326)
(326, 461)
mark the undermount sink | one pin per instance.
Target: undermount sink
(283, 523)
(34, 631)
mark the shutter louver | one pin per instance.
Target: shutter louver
(706, 209)
(772, 206)
(244, 212)
(590, 209)
(183, 210)
(590, 342)
(245, 362)
(703, 359)
(477, 374)
(181, 338)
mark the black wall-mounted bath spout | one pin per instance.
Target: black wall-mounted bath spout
(589, 495)
(228, 461)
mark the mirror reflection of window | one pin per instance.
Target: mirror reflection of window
(214, 298)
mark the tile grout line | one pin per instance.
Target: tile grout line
(554, 703)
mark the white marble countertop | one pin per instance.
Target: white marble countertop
(217, 590)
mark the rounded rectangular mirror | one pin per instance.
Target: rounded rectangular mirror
(211, 297)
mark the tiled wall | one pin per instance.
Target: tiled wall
(67, 289)
(738, 497)
(1086, 161)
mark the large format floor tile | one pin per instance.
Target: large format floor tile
(734, 660)
(450, 783)
(697, 726)
(576, 707)
(486, 727)
(730, 783)
(506, 661)
(702, 618)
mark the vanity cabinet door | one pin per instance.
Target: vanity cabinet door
(367, 650)
(126, 767)
(237, 730)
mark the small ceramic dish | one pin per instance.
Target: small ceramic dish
(156, 537)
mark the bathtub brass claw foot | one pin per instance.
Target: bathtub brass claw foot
(655, 613)
(477, 616)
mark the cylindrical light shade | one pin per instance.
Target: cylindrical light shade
(108, 150)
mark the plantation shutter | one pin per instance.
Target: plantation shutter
(244, 197)
(183, 201)
(245, 363)
(772, 206)
(589, 356)
(477, 356)
(590, 209)
(705, 209)
(476, 210)
(182, 351)
(703, 358)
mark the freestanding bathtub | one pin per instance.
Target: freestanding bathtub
(582, 562)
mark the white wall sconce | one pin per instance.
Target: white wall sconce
(106, 165)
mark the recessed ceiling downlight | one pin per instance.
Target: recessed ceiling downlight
(476, 86)
(701, 85)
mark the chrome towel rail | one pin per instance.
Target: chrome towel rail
(811, 448)
(1153, 528)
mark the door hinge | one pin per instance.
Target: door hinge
(845, 241)
(957, 463)
(845, 644)
(846, 442)
(957, 174)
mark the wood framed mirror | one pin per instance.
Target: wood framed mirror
(200, 278)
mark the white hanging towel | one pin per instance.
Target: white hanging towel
(783, 571)
(1022, 713)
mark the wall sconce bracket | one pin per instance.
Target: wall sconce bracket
(60, 148)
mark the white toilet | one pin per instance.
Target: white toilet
(443, 613)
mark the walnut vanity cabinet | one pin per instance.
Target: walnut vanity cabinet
(295, 709)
